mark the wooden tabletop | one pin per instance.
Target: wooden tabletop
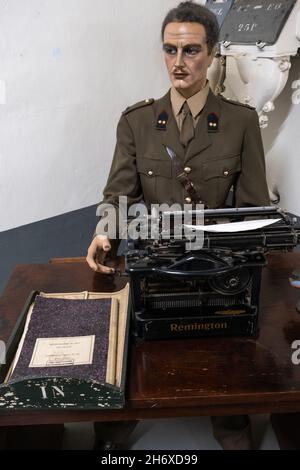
(192, 377)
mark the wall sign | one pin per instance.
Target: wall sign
(250, 21)
(220, 8)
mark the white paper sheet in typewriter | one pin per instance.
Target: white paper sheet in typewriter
(234, 226)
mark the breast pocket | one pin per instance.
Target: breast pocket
(219, 176)
(155, 175)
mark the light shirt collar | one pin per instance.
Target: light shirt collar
(196, 102)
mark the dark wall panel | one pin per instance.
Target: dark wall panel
(62, 236)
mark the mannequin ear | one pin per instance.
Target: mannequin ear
(212, 55)
(214, 52)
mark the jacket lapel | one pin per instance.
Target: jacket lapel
(202, 139)
(170, 134)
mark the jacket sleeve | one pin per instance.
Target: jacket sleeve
(251, 187)
(123, 179)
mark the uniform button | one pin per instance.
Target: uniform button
(225, 172)
(188, 200)
(187, 169)
(150, 173)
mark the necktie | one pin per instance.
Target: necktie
(187, 131)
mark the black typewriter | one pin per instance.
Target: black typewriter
(183, 285)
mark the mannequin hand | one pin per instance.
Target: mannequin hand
(96, 254)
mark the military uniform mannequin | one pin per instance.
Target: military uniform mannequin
(230, 155)
(224, 151)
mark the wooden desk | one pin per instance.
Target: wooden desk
(208, 376)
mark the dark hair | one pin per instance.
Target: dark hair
(190, 12)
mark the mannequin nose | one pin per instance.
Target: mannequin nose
(179, 59)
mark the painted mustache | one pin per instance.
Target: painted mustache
(179, 68)
(179, 71)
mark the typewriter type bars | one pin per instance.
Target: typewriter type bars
(213, 290)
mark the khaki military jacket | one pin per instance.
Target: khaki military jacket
(226, 151)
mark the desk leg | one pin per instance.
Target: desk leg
(287, 430)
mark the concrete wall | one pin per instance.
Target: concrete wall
(67, 70)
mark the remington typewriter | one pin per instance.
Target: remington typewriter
(180, 289)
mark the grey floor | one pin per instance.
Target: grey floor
(172, 434)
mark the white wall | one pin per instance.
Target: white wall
(67, 70)
(282, 143)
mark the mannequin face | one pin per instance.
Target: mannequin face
(186, 56)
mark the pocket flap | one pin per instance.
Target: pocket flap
(154, 167)
(222, 168)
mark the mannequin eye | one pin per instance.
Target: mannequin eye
(191, 51)
(169, 49)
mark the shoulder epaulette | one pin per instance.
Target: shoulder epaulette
(236, 103)
(138, 105)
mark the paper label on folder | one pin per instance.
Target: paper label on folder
(234, 226)
(61, 352)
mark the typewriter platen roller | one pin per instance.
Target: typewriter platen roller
(177, 292)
